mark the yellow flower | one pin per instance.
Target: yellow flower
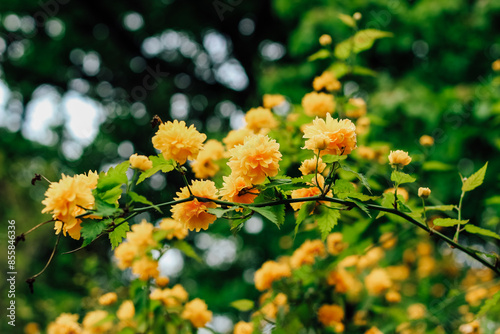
(392, 296)
(416, 311)
(476, 295)
(236, 189)
(269, 308)
(330, 315)
(178, 142)
(256, 159)
(344, 281)
(272, 100)
(377, 281)
(243, 328)
(93, 322)
(308, 192)
(65, 323)
(328, 81)
(356, 108)
(374, 330)
(204, 165)
(325, 40)
(236, 137)
(69, 198)
(363, 125)
(318, 104)
(32, 328)
(193, 214)
(125, 254)
(371, 258)
(309, 166)
(399, 158)
(426, 140)
(141, 235)
(424, 192)
(162, 280)
(269, 272)
(145, 268)
(197, 313)
(175, 228)
(170, 297)
(108, 298)
(496, 65)
(365, 152)
(388, 240)
(341, 135)
(140, 162)
(334, 243)
(126, 311)
(357, 16)
(472, 328)
(307, 253)
(260, 118)
(401, 191)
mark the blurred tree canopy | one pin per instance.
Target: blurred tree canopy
(207, 62)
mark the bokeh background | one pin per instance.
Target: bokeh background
(81, 80)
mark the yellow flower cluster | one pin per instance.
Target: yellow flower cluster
(237, 190)
(174, 228)
(271, 306)
(318, 104)
(356, 108)
(193, 214)
(377, 281)
(95, 322)
(307, 253)
(175, 296)
(327, 81)
(259, 119)
(108, 298)
(197, 313)
(204, 166)
(176, 141)
(270, 101)
(69, 198)
(331, 136)
(331, 316)
(269, 272)
(243, 328)
(65, 323)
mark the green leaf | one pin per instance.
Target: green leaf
(360, 176)
(447, 222)
(243, 305)
(304, 212)
(119, 233)
(237, 224)
(329, 158)
(401, 178)
(91, 229)
(436, 166)
(268, 213)
(490, 303)
(482, 231)
(362, 206)
(348, 20)
(327, 219)
(342, 188)
(339, 69)
(361, 41)
(440, 208)
(321, 54)
(141, 199)
(360, 70)
(159, 163)
(187, 249)
(103, 208)
(475, 180)
(362, 197)
(220, 212)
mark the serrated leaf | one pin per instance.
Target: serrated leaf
(110, 196)
(361, 41)
(440, 208)
(91, 228)
(475, 180)
(114, 177)
(268, 213)
(304, 212)
(361, 205)
(187, 249)
(237, 224)
(141, 199)
(401, 178)
(360, 176)
(482, 231)
(388, 202)
(218, 212)
(321, 54)
(329, 158)
(119, 233)
(104, 209)
(159, 164)
(348, 20)
(447, 222)
(489, 304)
(327, 219)
(243, 305)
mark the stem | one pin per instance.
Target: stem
(316, 175)
(425, 215)
(32, 278)
(455, 238)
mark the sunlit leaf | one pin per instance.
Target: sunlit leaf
(475, 180)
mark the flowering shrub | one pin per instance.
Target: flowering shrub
(346, 276)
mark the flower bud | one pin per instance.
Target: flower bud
(140, 162)
(357, 16)
(426, 140)
(424, 192)
(399, 158)
(325, 40)
(496, 65)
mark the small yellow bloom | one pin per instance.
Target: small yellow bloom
(309, 166)
(125, 254)
(258, 119)
(392, 296)
(325, 40)
(318, 104)
(426, 140)
(327, 81)
(108, 298)
(341, 135)
(65, 323)
(204, 166)
(308, 192)
(193, 214)
(176, 141)
(373, 330)
(126, 311)
(344, 281)
(496, 65)
(307, 253)
(93, 322)
(236, 137)
(197, 313)
(377, 281)
(140, 162)
(424, 192)
(162, 281)
(269, 272)
(330, 315)
(175, 229)
(272, 100)
(356, 108)
(32, 328)
(365, 152)
(243, 328)
(141, 235)
(399, 158)
(334, 243)
(236, 189)
(145, 268)
(256, 159)
(416, 311)
(363, 125)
